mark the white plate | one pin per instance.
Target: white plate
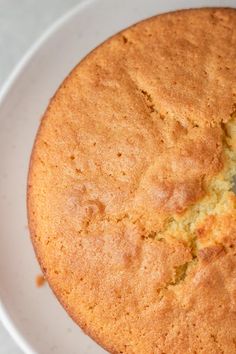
(33, 316)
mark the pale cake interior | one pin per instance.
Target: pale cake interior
(218, 201)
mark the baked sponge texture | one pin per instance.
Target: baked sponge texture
(130, 193)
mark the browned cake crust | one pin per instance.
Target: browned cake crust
(129, 198)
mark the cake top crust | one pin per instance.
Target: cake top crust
(130, 205)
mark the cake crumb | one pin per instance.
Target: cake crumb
(40, 280)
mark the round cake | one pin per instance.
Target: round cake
(130, 193)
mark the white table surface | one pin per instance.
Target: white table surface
(21, 23)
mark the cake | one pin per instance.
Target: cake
(131, 206)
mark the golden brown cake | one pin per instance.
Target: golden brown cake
(130, 200)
